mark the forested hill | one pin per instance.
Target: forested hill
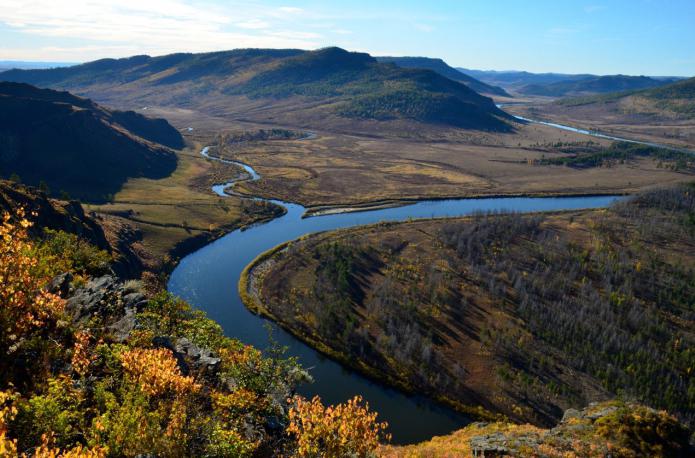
(328, 81)
(75, 146)
(675, 100)
(441, 67)
(594, 85)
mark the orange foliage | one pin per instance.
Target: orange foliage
(81, 358)
(156, 372)
(47, 451)
(26, 306)
(8, 447)
(348, 429)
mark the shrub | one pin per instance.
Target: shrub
(27, 309)
(348, 429)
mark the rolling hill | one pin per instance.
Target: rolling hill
(514, 80)
(263, 84)
(441, 67)
(76, 146)
(594, 85)
(675, 100)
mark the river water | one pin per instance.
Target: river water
(208, 280)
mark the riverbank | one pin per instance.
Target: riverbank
(339, 278)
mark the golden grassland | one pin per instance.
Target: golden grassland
(348, 170)
(170, 210)
(629, 117)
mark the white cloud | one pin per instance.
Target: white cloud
(118, 28)
(253, 24)
(290, 9)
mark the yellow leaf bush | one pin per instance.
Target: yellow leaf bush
(348, 429)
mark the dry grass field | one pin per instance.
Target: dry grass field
(365, 163)
(171, 210)
(621, 118)
(352, 169)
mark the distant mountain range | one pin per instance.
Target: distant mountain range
(514, 80)
(594, 85)
(441, 67)
(560, 84)
(77, 146)
(305, 86)
(11, 64)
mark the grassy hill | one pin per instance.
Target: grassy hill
(74, 145)
(441, 67)
(673, 100)
(594, 85)
(524, 315)
(310, 84)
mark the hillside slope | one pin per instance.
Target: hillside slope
(259, 83)
(524, 315)
(105, 232)
(76, 146)
(441, 67)
(594, 85)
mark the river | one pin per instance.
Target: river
(208, 280)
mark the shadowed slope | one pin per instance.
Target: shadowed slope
(76, 146)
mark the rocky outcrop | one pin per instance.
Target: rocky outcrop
(607, 429)
(103, 302)
(49, 213)
(192, 358)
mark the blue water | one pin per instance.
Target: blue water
(208, 280)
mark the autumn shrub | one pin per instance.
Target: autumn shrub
(58, 411)
(166, 314)
(28, 310)
(640, 431)
(148, 408)
(65, 252)
(8, 411)
(344, 430)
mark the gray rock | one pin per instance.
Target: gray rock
(132, 299)
(190, 357)
(569, 414)
(198, 357)
(60, 285)
(122, 328)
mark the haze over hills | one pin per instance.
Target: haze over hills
(513, 80)
(672, 101)
(594, 85)
(559, 84)
(444, 69)
(328, 83)
(77, 146)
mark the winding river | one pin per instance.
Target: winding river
(208, 279)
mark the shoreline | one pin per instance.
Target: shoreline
(249, 289)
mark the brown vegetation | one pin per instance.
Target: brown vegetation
(524, 315)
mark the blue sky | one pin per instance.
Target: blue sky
(572, 36)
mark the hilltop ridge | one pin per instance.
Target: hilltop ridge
(312, 85)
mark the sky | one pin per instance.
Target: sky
(650, 37)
